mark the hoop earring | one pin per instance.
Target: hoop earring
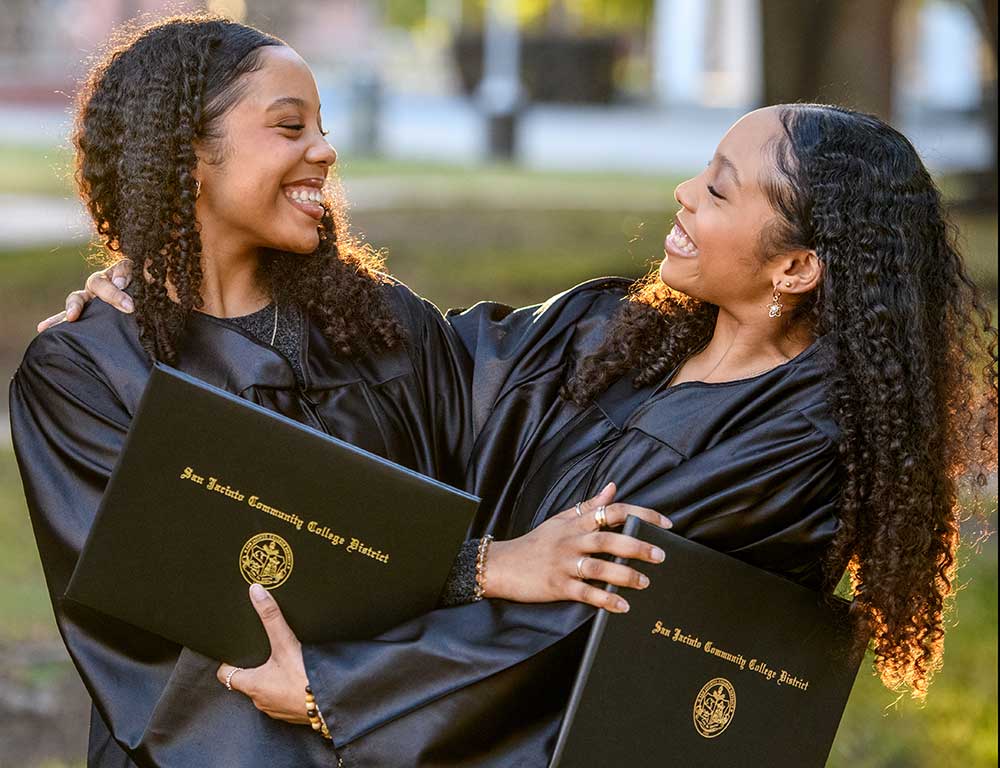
(775, 307)
(197, 188)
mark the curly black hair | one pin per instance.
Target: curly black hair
(914, 382)
(156, 91)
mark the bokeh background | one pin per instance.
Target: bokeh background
(508, 149)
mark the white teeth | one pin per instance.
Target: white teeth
(681, 241)
(306, 195)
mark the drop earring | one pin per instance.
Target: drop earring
(197, 188)
(775, 307)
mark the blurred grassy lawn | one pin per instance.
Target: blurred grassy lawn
(457, 256)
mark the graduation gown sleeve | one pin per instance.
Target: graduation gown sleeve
(68, 429)
(527, 350)
(444, 369)
(520, 359)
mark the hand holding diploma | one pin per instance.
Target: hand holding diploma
(277, 687)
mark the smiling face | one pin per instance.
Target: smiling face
(713, 251)
(261, 185)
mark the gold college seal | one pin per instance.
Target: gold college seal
(266, 559)
(714, 707)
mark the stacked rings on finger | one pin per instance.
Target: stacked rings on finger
(601, 517)
(229, 677)
(579, 509)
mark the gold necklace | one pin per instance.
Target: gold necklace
(744, 376)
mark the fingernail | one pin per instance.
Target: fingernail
(658, 555)
(119, 282)
(643, 580)
(127, 304)
(622, 606)
(257, 593)
(607, 487)
(666, 522)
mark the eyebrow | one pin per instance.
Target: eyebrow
(285, 101)
(725, 162)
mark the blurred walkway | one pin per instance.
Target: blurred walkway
(30, 220)
(36, 220)
(634, 139)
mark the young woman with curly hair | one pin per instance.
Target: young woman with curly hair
(804, 383)
(911, 380)
(201, 156)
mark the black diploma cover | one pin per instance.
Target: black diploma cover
(716, 664)
(213, 493)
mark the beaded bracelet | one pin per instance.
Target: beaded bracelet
(315, 716)
(484, 547)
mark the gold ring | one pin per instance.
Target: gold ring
(579, 567)
(229, 677)
(601, 517)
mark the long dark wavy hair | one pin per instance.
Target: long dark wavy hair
(155, 92)
(914, 383)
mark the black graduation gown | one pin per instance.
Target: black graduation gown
(71, 401)
(747, 467)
